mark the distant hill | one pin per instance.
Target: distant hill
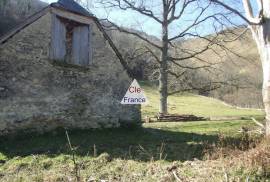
(238, 61)
(12, 12)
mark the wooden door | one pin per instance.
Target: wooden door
(58, 39)
(80, 46)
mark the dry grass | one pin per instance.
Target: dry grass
(227, 159)
(226, 164)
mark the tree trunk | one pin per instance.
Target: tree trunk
(163, 83)
(266, 88)
(163, 74)
(261, 34)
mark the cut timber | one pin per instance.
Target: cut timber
(175, 117)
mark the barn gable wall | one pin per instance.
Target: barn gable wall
(39, 94)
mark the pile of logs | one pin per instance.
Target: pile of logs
(175, 117)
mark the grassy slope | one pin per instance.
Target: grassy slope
(139, 154)
(194, 104)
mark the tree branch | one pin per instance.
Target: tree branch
(129, 32)
(131, 5)
(249, 19)
(173, 8)
(177, 75)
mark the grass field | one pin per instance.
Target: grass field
(194, 104)
(147, 153)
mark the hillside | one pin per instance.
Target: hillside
(237, 64)
(187, 103)
(12, 12)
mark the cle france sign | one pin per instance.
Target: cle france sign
(134, 95)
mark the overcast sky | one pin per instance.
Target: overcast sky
(132, 19)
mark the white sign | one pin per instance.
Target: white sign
(134, 95)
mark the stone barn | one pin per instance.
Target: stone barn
(59, 68)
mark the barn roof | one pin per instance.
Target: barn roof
(73, 6)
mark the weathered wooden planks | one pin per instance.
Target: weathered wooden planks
(58, 40)
(80, 45)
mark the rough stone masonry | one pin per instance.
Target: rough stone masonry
(40, 94)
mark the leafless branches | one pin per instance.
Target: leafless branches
(249, 18)
(206, 87)
(167, 50)
(138, 6)
(113, 26)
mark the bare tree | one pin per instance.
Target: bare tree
(166, 51)
(260, 27)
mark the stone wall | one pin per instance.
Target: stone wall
(39, 94)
